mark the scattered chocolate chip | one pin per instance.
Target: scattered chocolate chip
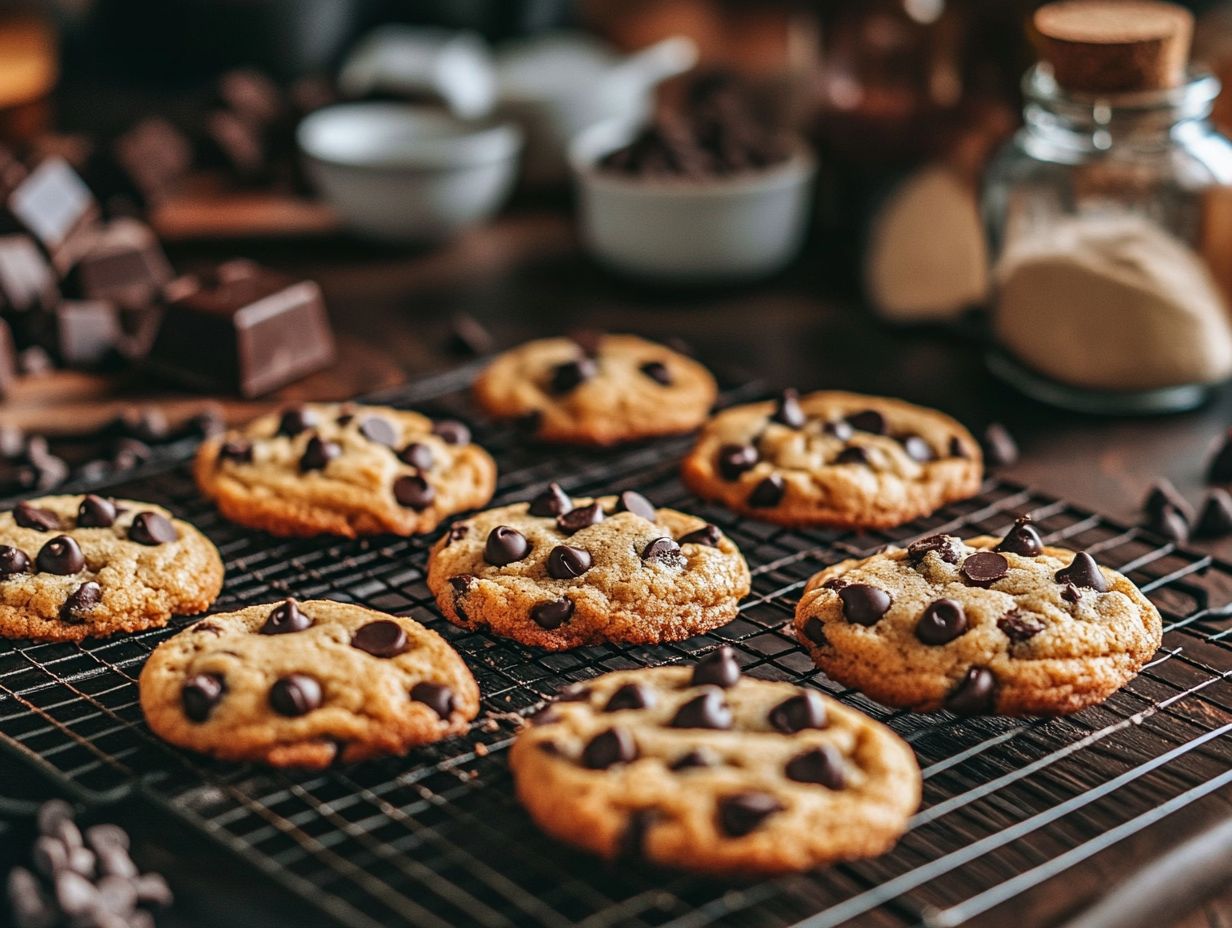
(658, 372)
(918, 449)
(796, 713)
(975, 694)
(629, 501)
(41, 520)
(294, 695)
(284, 619)
(696, 758)
(718, 668)
(572, 374)
(822, 765)
(413, 491)
(708, 536)
(80, 602)
(1022, 539)
(201, 694)
(958, 448)
(13, 561)
(61, 556)
(552, 614)
(942, 622)
(96, 512)
(984, 568)
(1171, 524)
(436, 696)
(869, 421)
(577, 519)
(1215, 520)
(768, 493)
(378, 430)
(944, 545)
(567, 563)
(318, 453)
(1071, 593)
(238, 450)
(505, 545)
(451, 432)
(149, 528)
(815, 631)
(839, 428)
(608, 748)
(663, 551)
(630, 696)
(708, 710)
(382, 638)
(632, 844)
(787, 410)
(853, 454)
(418, 455)
(864, 604)
(1220, 468)
(741, 813)
(295, 420)
(550, 503)
(1000, 449)
(1083, 572)
(734, 460)
(1162, 495)
(1020, 626)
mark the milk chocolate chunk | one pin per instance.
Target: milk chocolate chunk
(242, 329)
(54, 205)
(870, 420)
(123, 264)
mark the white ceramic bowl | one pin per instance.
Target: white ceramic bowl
(685, 230)
(408, 174)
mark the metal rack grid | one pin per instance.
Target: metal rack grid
(438, 839)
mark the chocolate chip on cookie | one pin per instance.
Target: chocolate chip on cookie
(718, 668)
(768, 493)
(551, 503)
(13, 561)
(295, 420)
(452, 432)
(629, 501)
(566, 562)
(1083, 572)
(579, 518)
(505, 545)
(707, 535)
(707, 710)
(572, 374)
(658, 372)
(383, 638)
(869, 420)
(30, 516)
(80, 602)
(418, 454)
(552, 615)
(1022, 539)
(295, 695)
(414, 492)
(150, 528)
(864, 604)
(787, 411)
(285, 618)
(976, 693)
(96, 512)
(61, 556)
(984, 568)
(734, 460)
(379, 430)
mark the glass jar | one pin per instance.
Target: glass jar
(1111, 267)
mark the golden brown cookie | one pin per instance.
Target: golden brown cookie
(831, 458)
(345, 469)
(701, 768)
(306, 685)
(598, 390)
(74, 567)
(1007, 626)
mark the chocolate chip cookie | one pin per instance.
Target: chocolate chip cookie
(990, 625)
(559, 572)
(701, 768)
(345, 469)
(305, 685)
(597, 390)
(837, 459)
(74, 567)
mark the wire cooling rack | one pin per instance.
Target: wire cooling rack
(437, 838)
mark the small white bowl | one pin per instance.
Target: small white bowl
(686, 230)
(408, 174)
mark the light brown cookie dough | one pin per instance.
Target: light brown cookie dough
(74, 567)
(345, 469)
(558, 573)
(707, 770)
(600, 390)
(1009, 626)
(306, 685)
(831, 458)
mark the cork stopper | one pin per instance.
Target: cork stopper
(1114, 46)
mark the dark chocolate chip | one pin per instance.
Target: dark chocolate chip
(577, 519)
(96, 512)
(796, 713)
(787, 411)
(13, 561)
(201, 694)
(984, 568)
(836, 584)
(413, 491)
(127, 453)
(1000, 449)
(572, 374)
(436, 696)
(839, 428)
(550, 503)
(958, 448)
(708, 710)
(742, 813)
(658, 372)
(815, 631)
(1020, 626)
(694, 759)
(942, 622)
(1022, 539)
(853, 454)
(462, 582)
(418, 455)
(1171, 524)
(632, 844)
(61, 556)
(294, 695)
(1215, 520)
(1220, 468)
(149, 528)
(567, 563)
(822, 765)
(452, 432)
(629, 501)
(319, 453)
(976, 693)
(869, 421)
(708, 536)
(734, 460)
(944, 545)
(378, 430)
(718, 668)
(630, 696)
(768, 493)
(663, 551)
(1083, 572)
(588, 340)
(505, 545)
(608, 748)
(296, 420)
(864, 604)
(41, 520)
(284, 619)
(382, 638)
(917, 448)
(1071, 594)
(80, 602)
(457, 532)
(552, 614)
(1162, 495)
(236, 449)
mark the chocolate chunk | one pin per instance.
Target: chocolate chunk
(796, 713)
(96, 512)
(81, 602)
(60, 556)
(768, 493)
(462, 582)
(632, 845)
(976, 693)
(284, 619)
(1171, 524)
(958, 448)
(734, 460)
(709, 710)
(742, 813)
(658, 372)
(787, 411)
(457, 532)
(567, 563)
(123, 264)
(378, 430)
(629, 501)
(815, 631)
(694, 759)
(318, 453)
(295, 694)
(1022, 539)
(452, 432)
(708, 536)
(41, 520)
(504, 546)
(630, 696)
(27, 282)
(149, 528)
(86, 333)
(55, 206)
(467, 337)
(1020, 626)
(822, 765)
(1215, 520)
(608, 748)
(550, 503)
(1219, 470)
(942, 622)
(13, 561)
(1071, 594)
(382, 638)
(572, 374)
(200, 694)
(869, 421)
(577, 519)
(414, 492)
(238, 450)
(418, 455)
(1000, 449)
(663, 551)
(436, 696)
(1083, 572)
(718, 668)
(864, 604)
(836, 584)
(918, 449)
(552, 614)
(944, 545)
(1162, 495)
(984, 568)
